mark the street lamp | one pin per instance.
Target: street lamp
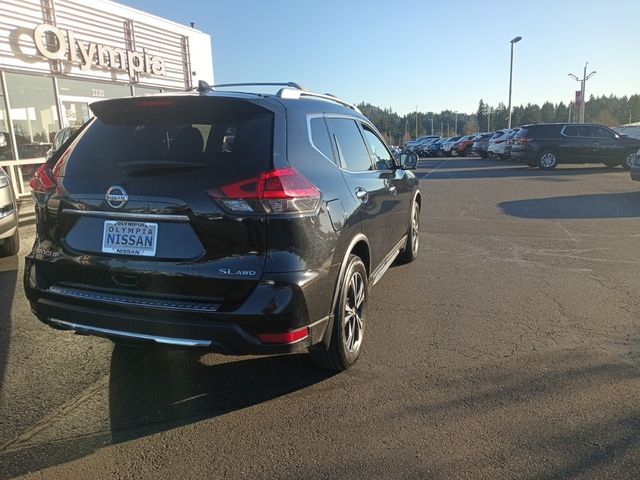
(583, 82)
(515, 40)
(456, 130)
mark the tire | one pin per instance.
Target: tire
(11, 245)
(410, 251)
(466, 152)
(547, 160)
(349, 320)
(628, 159)
(484, 156)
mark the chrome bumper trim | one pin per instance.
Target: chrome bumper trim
(182, 342)
(127, 215)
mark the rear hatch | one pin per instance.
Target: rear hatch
(134, 210)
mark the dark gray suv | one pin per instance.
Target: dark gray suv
(233, 221)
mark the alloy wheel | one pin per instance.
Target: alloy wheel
(353, 312)
(415, 229)
(548, 160)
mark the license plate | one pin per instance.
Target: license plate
(130, 238)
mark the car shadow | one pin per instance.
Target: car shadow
(152, 390)
(8, 280)
(597, 205)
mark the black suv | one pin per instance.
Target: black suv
(240, 222)
(546, 145)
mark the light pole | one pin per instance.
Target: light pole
(416, 121)
(515, 40)
(489, 120)
(583, 82)
(456, 129)
(431, 119)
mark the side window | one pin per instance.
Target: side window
(320, 137)
(381, 156)
(353, 152)
(577, 131)
(600, 132)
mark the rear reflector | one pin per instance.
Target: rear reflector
(43, 180)
(279, 191)
(284, 338)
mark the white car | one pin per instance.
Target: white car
(448, 145)
(497, 143)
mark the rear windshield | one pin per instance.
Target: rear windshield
(225, 143)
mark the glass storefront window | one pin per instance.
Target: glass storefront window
(95, 90)
(33, 113)
(6, 152)
(76, 95)
(145, 90)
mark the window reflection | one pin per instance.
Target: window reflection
(33, 113)
(6, 153)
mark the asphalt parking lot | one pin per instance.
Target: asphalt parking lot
(510, 349)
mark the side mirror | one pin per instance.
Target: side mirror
(408, 161)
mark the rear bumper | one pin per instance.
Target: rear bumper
(522, 156)
(277, 305)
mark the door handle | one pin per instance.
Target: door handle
(393, 190)
(362, 194)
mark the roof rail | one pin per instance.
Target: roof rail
(289, 90)
(295, 94)
(262, 84)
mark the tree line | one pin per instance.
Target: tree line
(611, 111)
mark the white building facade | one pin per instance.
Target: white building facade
(58, 56)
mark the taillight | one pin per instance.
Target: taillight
(525, 140)
(279, 191)
(499, 141)
(43, 180)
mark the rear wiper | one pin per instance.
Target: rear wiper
(157, 166)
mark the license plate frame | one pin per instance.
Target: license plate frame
(127, 237)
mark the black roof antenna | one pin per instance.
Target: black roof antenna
(203, 87)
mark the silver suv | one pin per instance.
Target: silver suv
(9, 239)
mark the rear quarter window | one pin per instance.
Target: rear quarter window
(320, 139)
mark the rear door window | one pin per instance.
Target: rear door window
(580, 131)
(351, 147)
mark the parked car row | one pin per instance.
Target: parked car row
(538, 145)
(434, 146)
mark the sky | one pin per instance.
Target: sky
(405, 54)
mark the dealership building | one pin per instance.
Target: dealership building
(58, 56)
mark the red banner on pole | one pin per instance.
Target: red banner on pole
(578, 98)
